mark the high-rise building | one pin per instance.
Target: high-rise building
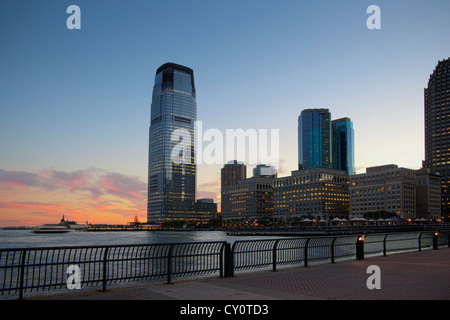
(171, 168)
(428, 195)
(343, 145)
(437, 129)
(314, 139)
(231, 173)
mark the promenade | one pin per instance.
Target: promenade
(404, 276)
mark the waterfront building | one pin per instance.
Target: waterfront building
(428, 195)
(318, 193)
(171, 184)
(343, 145)
(247, 199)
(385, 188)
(231, 173)
(204, 210)
(314, 138)
(437, 129)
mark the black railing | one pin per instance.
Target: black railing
(40, 269)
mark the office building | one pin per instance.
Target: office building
(314, 139)
(204, 211)
(318, 193)
(343, 145)
(437, 129)
(231, 173)
(383, 188)
(171, 179)
(428, 195)
(248, 199)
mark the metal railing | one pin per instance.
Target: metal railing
(39, 269)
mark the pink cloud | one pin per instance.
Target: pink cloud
(97, 195)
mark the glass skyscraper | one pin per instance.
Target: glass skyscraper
(343, 145)
(314, 139)
(171, 184)
(437, 129)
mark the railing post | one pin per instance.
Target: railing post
(22, 270)
(169, 265)
(332, 249)
(435, 241)
(360, 248)
(420, 241)
(105, 269)
(274, 255)
(306, 252)
(448, 240)
(384, 245)
(229, 262)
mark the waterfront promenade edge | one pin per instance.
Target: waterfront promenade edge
(404, 276)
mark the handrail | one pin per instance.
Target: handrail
(37, 269)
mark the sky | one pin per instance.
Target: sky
(75, 103)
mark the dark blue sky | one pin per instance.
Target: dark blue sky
(75, 99)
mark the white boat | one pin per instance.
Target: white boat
(51, 228)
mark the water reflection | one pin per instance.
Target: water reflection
(28, 239)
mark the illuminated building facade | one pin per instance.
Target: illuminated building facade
(231, 173)
(248, 199)
(437, 129)
(428, 195)
(384, 188)
(171, 184)
(319, 193)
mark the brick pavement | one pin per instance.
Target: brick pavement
(411, 276)
(405, 276)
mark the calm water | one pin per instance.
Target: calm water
(27, 239)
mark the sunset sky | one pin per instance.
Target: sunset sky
(75, 104)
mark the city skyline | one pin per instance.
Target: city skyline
(75, 104)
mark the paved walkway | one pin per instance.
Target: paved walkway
(406, 276)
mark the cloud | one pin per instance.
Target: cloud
(95, 181)
(123, 186)
(91, 194)
(18, 179)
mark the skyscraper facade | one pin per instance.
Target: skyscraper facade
(437, 129)
(343, 145)
(171, 181)
(231, 173)
(314, 139)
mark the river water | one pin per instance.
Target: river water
(28, 239)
